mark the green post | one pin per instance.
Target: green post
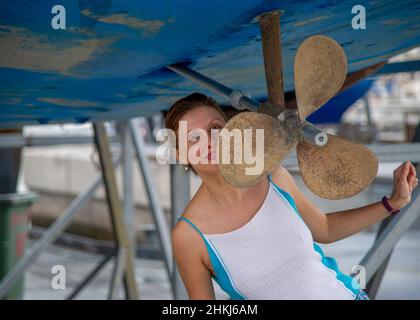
(14, 224)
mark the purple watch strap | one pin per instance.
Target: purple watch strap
(388, 207)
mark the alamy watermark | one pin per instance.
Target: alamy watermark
(193, 147)
(59, 20)
(359, 20)
(359, 277)
(58, 281)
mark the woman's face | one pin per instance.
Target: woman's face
(201, 147)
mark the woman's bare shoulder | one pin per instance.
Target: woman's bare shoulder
(186, 240)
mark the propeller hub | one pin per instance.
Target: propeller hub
(290, 121)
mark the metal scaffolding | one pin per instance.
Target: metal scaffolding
(122, 216)
(374, 261)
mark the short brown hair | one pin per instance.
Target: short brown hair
(183, 105)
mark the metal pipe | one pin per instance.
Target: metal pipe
(59, 225)
(115, 208)
(158, 215)
(117, 273)
(368, 111)
(373, 285)
(18, 141)
(313, 135)
(387, 240)
(128, 198)
(237, 99)
(92, 274)
(180, 196)
(271, 45)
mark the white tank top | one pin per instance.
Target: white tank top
(273, 256)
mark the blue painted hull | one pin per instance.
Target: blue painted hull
(109, 61)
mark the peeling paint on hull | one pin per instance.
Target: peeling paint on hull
(112, 54)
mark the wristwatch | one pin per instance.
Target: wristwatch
(388, 207)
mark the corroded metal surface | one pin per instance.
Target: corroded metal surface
(338, 170)
(320, 71)
(277, 144)
(113, 53)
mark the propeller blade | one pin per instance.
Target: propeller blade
(338, 170)
(246, 156)
(270, 38)
(320, 71)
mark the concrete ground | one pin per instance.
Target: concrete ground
(401, 280)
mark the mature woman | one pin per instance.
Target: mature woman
(260, 242)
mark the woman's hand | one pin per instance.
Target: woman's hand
(405, 180)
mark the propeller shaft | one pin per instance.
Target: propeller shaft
(313, 135)
(270, 38)
(237, 98)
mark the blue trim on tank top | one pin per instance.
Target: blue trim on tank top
(223, 279)
(287, 195)
(329, 262)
